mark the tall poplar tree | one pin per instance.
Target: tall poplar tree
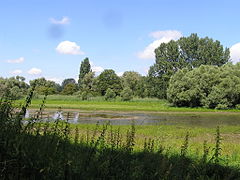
(84, 69)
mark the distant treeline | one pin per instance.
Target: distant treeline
(187, 72)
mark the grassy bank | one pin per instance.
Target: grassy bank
(59, 150)
(98, 103)
(172, 138)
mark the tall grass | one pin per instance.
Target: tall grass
(36, 150)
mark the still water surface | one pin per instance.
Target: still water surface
(140, 118)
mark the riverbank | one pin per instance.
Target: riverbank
(98, 104)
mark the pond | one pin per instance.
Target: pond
(210, 119)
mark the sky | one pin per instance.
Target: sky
(50, 38)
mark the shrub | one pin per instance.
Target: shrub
(206, 86)
(110, 94)
(126, 94)
(85, 95)
(69, 89)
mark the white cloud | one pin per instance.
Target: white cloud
(161, 37)
(68, 47)
(56, 80)
(15, 72)
(146, 70)
(15, 61)
(120, 73)
(235, 53)
(35, 71)
(96, 69)
(64, 20)
(173, 34)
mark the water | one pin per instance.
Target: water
(126, 118)
(58, 115)
(27, 115)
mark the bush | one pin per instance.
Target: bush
(126, 94)
(110, 94)
(206, 86)
(221, 106)
(69, 89)
(13, 87)
(237, 106)
(85, 95)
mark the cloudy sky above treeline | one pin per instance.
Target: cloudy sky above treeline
(42, 38)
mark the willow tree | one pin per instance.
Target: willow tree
(187, 52)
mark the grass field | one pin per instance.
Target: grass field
(98, 103)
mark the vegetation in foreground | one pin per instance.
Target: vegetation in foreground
(32, 149)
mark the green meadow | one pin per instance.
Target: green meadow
(172, 137)
(98, 103)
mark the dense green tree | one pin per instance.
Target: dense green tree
(206, 86)
(189, 52)
(88, 81)
(131, 79)
(87, 86)
(44, 86)
(110, 94)
(108, 79)
(69, 89)
(85, 95)
(141, 88)
(126, 94)
(20, 78)
(85, 68)
(68, 81)
(14, 87)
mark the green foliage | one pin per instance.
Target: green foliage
(185, 145)
(142, 88)
(88, 82)
(206, 86)
(85, 95)
(108, 79)
(126, 94)
(188, 52)
(13, 87)
(110, 94)
(44, 86)
(131, 80)
(85, 68)
(217, 149)
(69, 89)
(68, 81)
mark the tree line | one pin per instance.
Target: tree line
(177, 64)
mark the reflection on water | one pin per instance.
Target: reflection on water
(58, 115)
(76, 117)
(27, 114)
(126, 118)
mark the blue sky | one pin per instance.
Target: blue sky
(51, 37)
